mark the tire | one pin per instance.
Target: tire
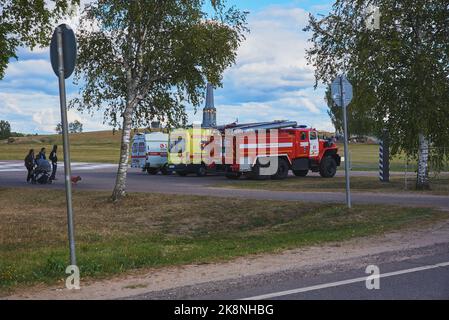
(300, 173)
(165, 171)
(283, 168)
(255, 173)
(152, 171)
(328, 167)
(181, 173)
(233, 176)
(201, 171)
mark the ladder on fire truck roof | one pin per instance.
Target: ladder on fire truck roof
(278, 124)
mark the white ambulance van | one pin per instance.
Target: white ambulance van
(149, 152)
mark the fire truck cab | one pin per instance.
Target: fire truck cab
(310, 153)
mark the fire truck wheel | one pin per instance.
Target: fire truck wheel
(255, 173)
(282, 172)
(328, 167)
(152, 171)
(201, 171)
(300, 173)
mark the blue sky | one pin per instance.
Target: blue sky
(271, 79)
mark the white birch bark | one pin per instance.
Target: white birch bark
(422, 179)
(120, 182)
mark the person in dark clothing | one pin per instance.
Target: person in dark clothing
(54, 162)
(41, 155)
(29, 164)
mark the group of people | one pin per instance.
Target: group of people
(31, 161)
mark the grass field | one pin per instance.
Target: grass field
(439, 184)
(100, 146)
(365, 157)
(148, 230)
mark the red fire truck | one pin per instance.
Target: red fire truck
(295, 148)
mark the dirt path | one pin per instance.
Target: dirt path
(166, 278)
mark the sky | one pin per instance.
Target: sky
(270, 80)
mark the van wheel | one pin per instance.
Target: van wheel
(201, 171)
(165, 171)
(282, 171)
(300, 173)
(328, 167)
(152, 171)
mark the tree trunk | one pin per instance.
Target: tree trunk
(120, 182)
(422, 179)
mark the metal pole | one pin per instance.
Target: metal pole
(65, 135)
(345, 125)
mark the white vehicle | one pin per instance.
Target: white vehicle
(149, 152)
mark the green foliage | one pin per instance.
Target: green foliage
(153, 57)
(400, 72)
(5, 129)
(28, 23)
(75, 127)
(58, 128)
(359, 120)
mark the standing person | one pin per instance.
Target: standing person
(29, 164)
(41, 155)
(54, 162)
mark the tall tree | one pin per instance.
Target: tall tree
(359, 119)
(27, 23)
(5, 129)
(58, 128)
(75, 127)
(400, 71)
(145, 59)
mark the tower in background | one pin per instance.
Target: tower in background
(209, 111)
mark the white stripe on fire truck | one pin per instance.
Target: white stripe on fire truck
(266, 145)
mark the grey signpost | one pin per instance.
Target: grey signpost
(63, 58)
(341, 90)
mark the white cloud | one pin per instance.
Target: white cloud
(271, 79)
(29, 68)
(273, 54)
(40, 112)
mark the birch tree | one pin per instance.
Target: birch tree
(144, 60)
(400, 71)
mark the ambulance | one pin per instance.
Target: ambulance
(149, 152)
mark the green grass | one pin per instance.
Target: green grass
(439, 184)
(365, 157)
(100, 146)
(149, 230)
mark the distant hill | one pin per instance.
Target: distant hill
(95, 146)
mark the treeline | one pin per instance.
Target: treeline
(5, 131)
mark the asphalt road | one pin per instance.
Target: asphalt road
(417, 274)
(102, 177)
